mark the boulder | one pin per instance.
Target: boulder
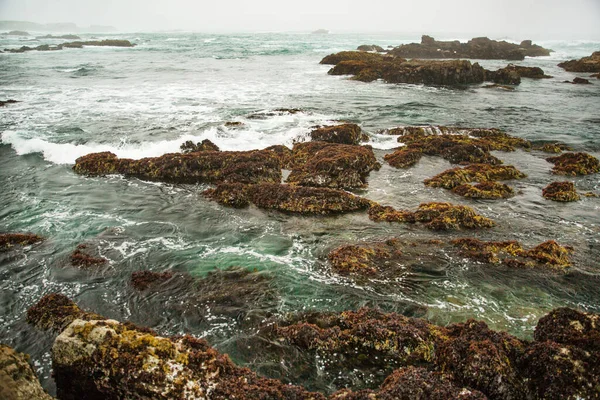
(18, 380)
(342, 134)
(585, 64)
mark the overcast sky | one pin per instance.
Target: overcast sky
(551, 19)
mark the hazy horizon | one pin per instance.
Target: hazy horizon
(553, 19)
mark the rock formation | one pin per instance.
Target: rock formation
(585, 64)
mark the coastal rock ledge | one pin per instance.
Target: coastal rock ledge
(97, 358)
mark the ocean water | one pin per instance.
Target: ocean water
(172, 87)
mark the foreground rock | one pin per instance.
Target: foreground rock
(585, 64)
(197, 167)
(18, 381)
(341, 134)
(561, 191)
(8, 241)
(574, 164)
(73, 45)
(337, 166)
(477, 48)
(287, 198)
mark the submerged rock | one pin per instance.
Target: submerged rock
(9, 101)
(585, 64)
(364, 259)
(454, 177)
(579, 81)
(338, 166)
(82, 258)
(18, 380)
(198, 167)
(55, 311)
(288, 198)
(556, 147)
(342, 134)
(8, 241)
(561, 191)
(476, 48)
(205, 145)
(574, 164)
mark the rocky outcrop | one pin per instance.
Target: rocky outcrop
(336, 58)
(9, 101)
(198, 167)
(288, 198)
(337, 166)
(585, 64)
(74, 45)
(477, 48)
(574, 164)
(527, 72)
(82, 257)
(341, 134)
(9, 241)
(205, 145)
(18, 381)
(561, 191)
(454, 177)
(485, 190)
(67, 37)
(372, 47)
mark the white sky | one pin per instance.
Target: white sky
(542, 19)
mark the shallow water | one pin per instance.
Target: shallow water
(148, 100)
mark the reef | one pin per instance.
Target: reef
(511, 253)
(6, 102)
(338, 166)
(73, 45)
(561, 191)
(288, 198)
(82, 258)
(574, 164)
(198, 167)
(342, 134)
(454, 177)
(334, 59)
(585, 64)
(8, 241)
(477, 48)
(205, 145)
(485, 190)
(18, 380)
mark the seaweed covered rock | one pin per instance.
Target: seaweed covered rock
(379, 213)
(454, 177)
(527, 72)
(18, 380)
(364, 259)
(574, 164)
(446, 216)
(476, 48)
(551, 253)
(585, 64)
(561, 191)
(283, 153)
(413, 383)
(83, 258)
(489, 252)
(552, 147)
(142, 280)
(342, 134)
(8, 241)
(55, 311)
(338, 166)
(570, 327)
(198, 167)
(288, 198)
(334, 59)
(205, 145)
(485, 190)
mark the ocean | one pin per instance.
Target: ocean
(173, 87)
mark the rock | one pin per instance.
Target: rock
(501, 87)
(597, 76)
(234, 124)
(142, 280)
(283, 153)
(341, 134)
(9, 101)
(334, 59)
(454, 177)
(527, 72)
(82, 258)
(205, 145)
(373, 47)
(485, 190)
(55, 311)
(337, 166)
(18, 380)
(199, 167)
(18, 33)
(364, 259)
(288, 198)
(503, 76)
(73, 45)
(585, 64)
(570, 327)
(8, 241)
(379, 213)
(561, 191)
(67, 37)
(581, 81)
(477, 48)
(574, 164)
(551, 147)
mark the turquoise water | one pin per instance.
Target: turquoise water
(170, 88)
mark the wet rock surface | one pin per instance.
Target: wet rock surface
(83, 257)
(485, 190)
(585, 64)
(454, 177)
(18, 380)
(574, 164)
(8, 241)
(561, 191)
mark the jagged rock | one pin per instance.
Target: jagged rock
(561, 191)
(585, 64)
(205, 145)
(476, 48)
(341, 134)
(9, 101)
(199, 167)
(288, 198)
(574, 164)
(454, 177)
(18, 381)
(234, 124)
(372, 47)
(10, 240)
(338, 166)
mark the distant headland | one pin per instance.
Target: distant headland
(56, 27)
